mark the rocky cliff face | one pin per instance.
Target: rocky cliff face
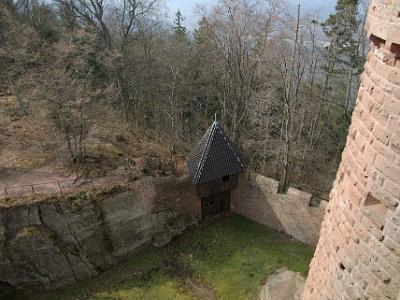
(61, 242)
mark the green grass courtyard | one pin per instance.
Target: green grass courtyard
(225, 259)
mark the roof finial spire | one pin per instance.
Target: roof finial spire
(215, 117)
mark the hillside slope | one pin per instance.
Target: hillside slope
(33, 151)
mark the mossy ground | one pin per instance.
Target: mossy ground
(231, 257)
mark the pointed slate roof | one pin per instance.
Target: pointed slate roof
(214, 156)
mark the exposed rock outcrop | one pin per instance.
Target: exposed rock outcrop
(54, 244)
(283, 285)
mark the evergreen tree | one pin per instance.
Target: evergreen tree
(342, 28)
(344, 55)
(201, 31)
(179, 29)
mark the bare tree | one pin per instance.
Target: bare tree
(290, 93)
(119, 24)
(239, 31)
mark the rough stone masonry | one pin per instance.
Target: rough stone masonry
(257, 198)
(59, 242)
(358, 253)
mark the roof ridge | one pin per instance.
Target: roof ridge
(232, 147)
(205, 153)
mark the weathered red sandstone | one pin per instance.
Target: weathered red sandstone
(358, 253)
(257, 198)
(53, 244)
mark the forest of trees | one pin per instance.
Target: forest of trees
(282, 83)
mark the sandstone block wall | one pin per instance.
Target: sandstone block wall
(256, 198)
(53, 244)
(358, 254)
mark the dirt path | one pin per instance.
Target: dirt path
(48, 173)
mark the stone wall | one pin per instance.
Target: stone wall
(56, 243)
(256, 198)
(358, 254)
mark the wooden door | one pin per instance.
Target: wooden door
(225, 201)
(215, 204)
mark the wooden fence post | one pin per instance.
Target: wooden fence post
(5, 193)
(59, 186)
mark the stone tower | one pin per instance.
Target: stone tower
(358, 253)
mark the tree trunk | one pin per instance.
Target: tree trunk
(284, 181)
